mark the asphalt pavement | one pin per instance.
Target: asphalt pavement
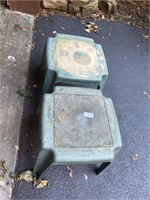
(127, 55)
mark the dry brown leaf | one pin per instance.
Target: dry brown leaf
(33, 46)
(92, 23)
(26, 175)
(70, 171)
(87, 30)
(146, 94)
(146, 36)
(68, 167)
(135, 157)
(88, 26)
(38, 183)
(96, 31)
(54, 32)
(35, 85)
(91, 26)
(70, 174)
(85, 177)
(3, 169)
(103, 17)
(17, 147)
(11, 58)
(112, 18)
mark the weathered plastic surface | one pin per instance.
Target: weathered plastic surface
(78, 125)
(75, 60)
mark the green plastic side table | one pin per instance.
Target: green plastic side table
(73, 60)
(78, 125)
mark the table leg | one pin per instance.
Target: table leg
(102, 167)
(44, 160)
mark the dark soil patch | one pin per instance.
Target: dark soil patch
(133, 13)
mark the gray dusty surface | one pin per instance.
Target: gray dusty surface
(127, 55)
(15, 46)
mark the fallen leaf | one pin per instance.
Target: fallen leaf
(92, 23)
(26, 175)
(33, 46)
(112, 18)
(88, 26)
(3, 169)
(87, 30)
(68, 167)
(70, 171)
(85, 177)
(11, 58)
(54, 32)
(135, 157)
(17, 147)
(91, 26)
(61, 117)
(103, 17)
(145, 36)
(95, 31)
(146, 94)
(35, 85)
(38, 183)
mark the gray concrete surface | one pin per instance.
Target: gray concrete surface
(127, 54)
(15, 46)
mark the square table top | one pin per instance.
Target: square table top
(79, 122)
(76, 57)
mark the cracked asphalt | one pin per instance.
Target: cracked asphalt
(127, 55)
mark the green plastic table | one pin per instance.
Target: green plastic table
(78, 125)
(73, 60)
